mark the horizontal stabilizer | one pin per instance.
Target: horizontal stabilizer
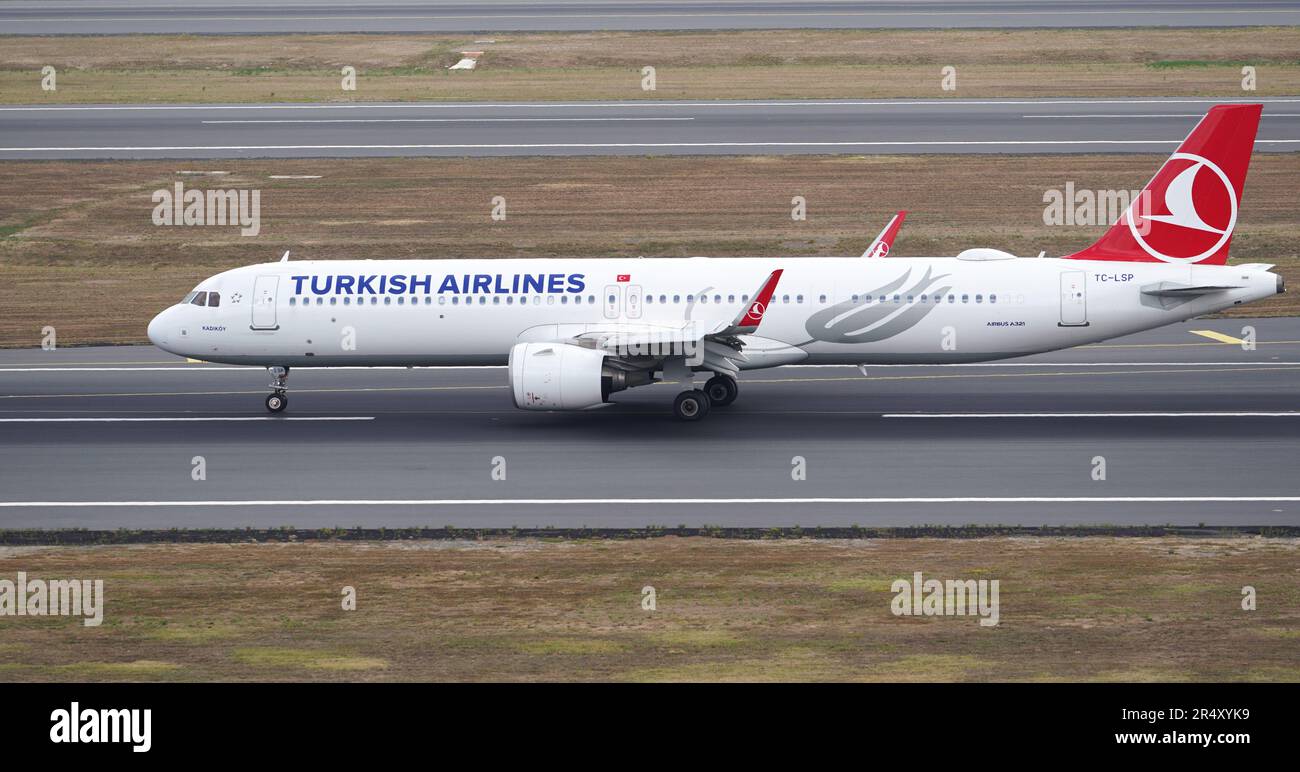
(1174, 289)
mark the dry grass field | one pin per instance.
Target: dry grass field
(803, 64)
(78, 249)
(1092, 609)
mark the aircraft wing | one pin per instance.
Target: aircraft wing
(713, 344)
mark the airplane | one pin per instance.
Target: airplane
(573, 332)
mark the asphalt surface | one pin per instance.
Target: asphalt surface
(1192, 430)
(98, 17)
(621, 128)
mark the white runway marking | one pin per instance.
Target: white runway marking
(1286, 414)
(447, 120)
(182, 368)
(624, 145)
(657, 501)
(656, 104)
(196, 418)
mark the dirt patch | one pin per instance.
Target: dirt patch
(607, 65)
(1093, 608)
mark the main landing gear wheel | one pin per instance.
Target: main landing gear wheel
(691, 405)
(276, 403)
(722, 390)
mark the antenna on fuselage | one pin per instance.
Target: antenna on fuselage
(285, 258)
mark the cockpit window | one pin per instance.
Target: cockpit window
(214, 299)
(188, 298)
(200, 299)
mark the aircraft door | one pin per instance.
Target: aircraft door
(633, 301)
(264, 298)
(1074, 299)
(613, 301)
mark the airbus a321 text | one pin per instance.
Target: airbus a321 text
(574, 332)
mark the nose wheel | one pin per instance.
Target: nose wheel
(278, 399)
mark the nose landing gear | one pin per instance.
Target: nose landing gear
(278, 399)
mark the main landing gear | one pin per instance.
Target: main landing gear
(722, 390)
(278, 400)
(719, 391)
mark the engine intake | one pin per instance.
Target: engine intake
(562, 376)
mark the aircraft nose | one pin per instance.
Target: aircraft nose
(158, 331)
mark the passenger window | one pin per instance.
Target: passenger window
(821, 299)
(798, 299)
(731, 298)
(717, 298)
(979, 298)
(993, 298)
(677, 298)
(293, 301)
(333, 300)
(591, 298)
(965, 298)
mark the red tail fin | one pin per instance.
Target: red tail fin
(1187, 212)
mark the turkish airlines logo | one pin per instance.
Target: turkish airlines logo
(756, 311)
(880, 249)
(1187, 213)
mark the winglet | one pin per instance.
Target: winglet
(885, 241)
(748, 319)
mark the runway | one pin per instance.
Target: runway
(1192, 429)
(99, 17)
(1139, 125)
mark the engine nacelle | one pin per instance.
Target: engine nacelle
(556, 376)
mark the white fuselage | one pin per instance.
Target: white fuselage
(826, 310)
